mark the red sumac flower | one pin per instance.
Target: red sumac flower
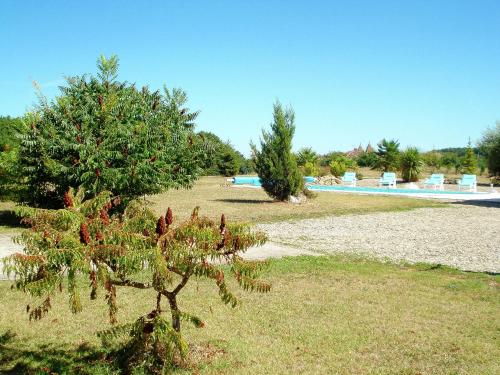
(104, 216)
(68, 200)
(169, 218)
(84, 234)
(161, 226)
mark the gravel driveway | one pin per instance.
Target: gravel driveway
(463, 236)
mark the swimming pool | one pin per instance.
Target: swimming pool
(383, 190)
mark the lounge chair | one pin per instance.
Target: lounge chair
(436, 181)
(388, 179)
(349, 178)
(468, 181)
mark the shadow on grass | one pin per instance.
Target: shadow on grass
(9, 219)
(244, 201)
(17, 359)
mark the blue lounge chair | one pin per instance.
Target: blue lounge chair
(436, 181)
(468, 181)
(388, 179)
(349, 178)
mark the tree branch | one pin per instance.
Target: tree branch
(133, 284)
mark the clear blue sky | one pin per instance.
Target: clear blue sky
(424, 72)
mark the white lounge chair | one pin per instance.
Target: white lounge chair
(436, 181)
(388, 179)
(349, 179)
(468, 181)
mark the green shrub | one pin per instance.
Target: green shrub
(469, 161)
(310, 169)
(337, 168)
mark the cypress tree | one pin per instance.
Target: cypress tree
(275, 162)
(469, 162)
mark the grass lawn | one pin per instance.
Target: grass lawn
(324, 315)
(253, 205)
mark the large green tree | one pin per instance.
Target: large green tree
(275, 162)
(103, 134)
(490, 145)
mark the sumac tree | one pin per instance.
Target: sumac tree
(103, 134)
(131, 249)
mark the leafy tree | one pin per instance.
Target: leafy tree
(388, 155)
(340, 164)
(450, 160)
(307, 155)
(274, 162)
(10, 130)
(367, 159)
(490, 145)
(434, 160)
(103, 134)
(136, 250)
(411, 164)
(229, 162)
(469, 161)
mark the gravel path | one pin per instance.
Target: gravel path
(466, 237)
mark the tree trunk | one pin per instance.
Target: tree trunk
(176, 318)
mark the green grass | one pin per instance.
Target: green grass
(253, 205)
(324, 315)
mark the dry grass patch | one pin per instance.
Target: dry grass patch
(253, 205)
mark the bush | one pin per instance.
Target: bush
(274, 162)
(131, 250)
(411, 164)
(338, 168)
(306, 155)
(103, 134)
(310, 169)
(341, 164)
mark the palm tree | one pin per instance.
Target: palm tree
(388, 155)
(411, 164)
(306, 155)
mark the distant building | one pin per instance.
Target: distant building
(354, 153)
(369, 148)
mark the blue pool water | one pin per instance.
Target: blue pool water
(384, 190)
(255, 180)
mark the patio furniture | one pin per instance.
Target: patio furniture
(349, 179)
(388, 179)
(436, 181)
(468, 181)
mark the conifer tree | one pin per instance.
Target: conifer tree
(103, 134)
(275, 162)
(469, 162)
(133, 249)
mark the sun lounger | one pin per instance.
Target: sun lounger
(436, 181)
(388, 179)
(349, 179)
(468, 181)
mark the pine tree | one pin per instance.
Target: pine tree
(274, 162)
(469, 162)
(103, 134)
(133, 249)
